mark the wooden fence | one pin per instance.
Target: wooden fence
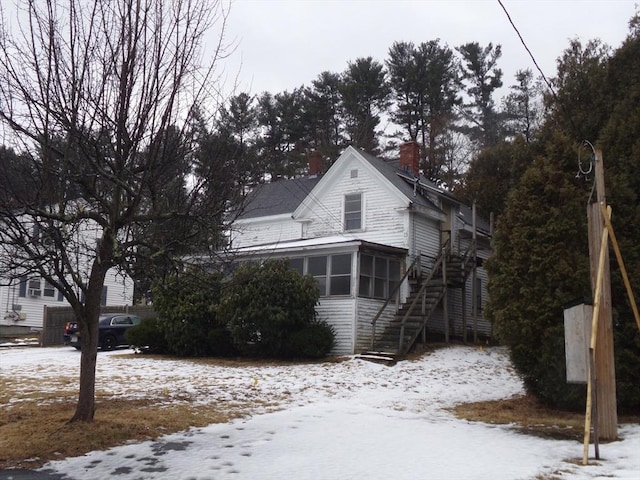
(55, 318)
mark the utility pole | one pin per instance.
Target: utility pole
(605, 377)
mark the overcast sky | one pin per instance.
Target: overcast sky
(283, 44)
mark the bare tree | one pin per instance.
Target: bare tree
(99, 96)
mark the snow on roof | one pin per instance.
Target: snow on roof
(336, 241)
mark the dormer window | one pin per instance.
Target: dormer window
(353, 211)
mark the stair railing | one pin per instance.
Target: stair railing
(441, 262)
(394, 293)
(469, 256)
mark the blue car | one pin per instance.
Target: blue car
(111, 328)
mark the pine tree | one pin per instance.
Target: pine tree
(365, 96)
(480, 71)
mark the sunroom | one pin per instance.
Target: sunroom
(355, 277)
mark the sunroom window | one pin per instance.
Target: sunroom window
(317, 268)
(332, 272)
(379, 276)
(340, 281)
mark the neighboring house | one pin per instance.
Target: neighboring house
(394, 256)
(23, 300)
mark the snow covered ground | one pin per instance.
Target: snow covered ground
(347, 420)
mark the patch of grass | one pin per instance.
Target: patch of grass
(240, 361)
(32, 433)
(529, 416)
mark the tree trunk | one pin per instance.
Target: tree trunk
(88, 324)
(85, 408)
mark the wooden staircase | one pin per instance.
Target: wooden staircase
(426, 294)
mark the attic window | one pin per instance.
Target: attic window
(353, 211)
(354, 173)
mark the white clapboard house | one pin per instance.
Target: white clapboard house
(397, 259)
(24, 297)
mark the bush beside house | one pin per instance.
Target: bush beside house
(187, 310)
(265, 310)
(270, 311)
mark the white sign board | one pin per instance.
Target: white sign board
(577, 336)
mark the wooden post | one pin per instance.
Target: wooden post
(445, 299)
(623, 269)
(592, 384)
(464, 311)
(604, 359)
(474, 286)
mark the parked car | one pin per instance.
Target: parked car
(111, 328)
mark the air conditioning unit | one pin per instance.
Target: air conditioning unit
(34, 292)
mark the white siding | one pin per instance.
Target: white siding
(383, 213)
(339, 313)
(366, 311)
(119, 292)
(425, 238)
(266, 230)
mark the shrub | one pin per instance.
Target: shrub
(148, 336)
(265, 304)
(187, 306)
(220, 342)
(314, 341)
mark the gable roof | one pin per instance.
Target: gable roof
(404, 181)
(279, 197)
(285, 196)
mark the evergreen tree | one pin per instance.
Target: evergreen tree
(480, 71)
(425, 83)
(540, 263)
(621, 149)
(365, 96)
(580, 105)
(441, 96)
(493, 173)
(323, 116)
(281, 147)
(404, 83)
(237, 131)
(541, 256)
(522, 107)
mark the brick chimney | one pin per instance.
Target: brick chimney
(315, 163)
(410, 158)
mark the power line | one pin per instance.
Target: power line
(544, 77)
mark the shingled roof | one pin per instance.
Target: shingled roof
(402, 180)
(279, 197)
(285, 195)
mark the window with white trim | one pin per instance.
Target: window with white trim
(317, 268)
(332, 272)
(340, 278)
(353, 211)
(49, 290)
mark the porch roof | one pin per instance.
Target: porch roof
(310, 244)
